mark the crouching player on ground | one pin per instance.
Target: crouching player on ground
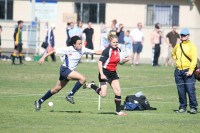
(71, 57)
(107, 73)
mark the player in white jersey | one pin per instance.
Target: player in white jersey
(70, 56)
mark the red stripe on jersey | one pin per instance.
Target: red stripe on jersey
(113, 60)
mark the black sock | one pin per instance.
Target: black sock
(92, 56)
(76, 88)
(97, 89)
(20, 59)
(118, 103)
(45, 97)
(13, 59)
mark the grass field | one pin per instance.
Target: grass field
(20, 86)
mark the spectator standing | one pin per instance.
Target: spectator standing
(79, 29)
(50, 40)
(72, 30)
(171, 39)
(18, 42)
(138, 41)
(114, 27)
(114, 24)
(68, 37)
(185, 56)
(156, 38)
(104, 35)
(120, 34)
(89, 32)
(128, 45)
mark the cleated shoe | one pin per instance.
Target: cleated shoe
(193, 111)
(121, 113)
(88, 85)
(181, 111)
(70, 99)
(37, 106)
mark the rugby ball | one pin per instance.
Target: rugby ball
(197, 74)
(50, 104)
(123, 55)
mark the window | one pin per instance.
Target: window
(166, 15)
(6, 9)
(90, 12)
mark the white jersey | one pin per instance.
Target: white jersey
(71, 57)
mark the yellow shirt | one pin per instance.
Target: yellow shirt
(181, 61)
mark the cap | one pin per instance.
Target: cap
(185, 32)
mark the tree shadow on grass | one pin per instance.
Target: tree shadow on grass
(68, 111)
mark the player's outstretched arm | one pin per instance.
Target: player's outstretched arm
(41, 61)
(98, 52)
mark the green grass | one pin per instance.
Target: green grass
(20, 86)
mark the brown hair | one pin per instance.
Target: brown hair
(19, 22)
(111, 36)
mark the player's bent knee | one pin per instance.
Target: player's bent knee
(56, 90)
(103, 95)
(82, 80)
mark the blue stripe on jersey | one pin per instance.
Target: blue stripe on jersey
(66, 61)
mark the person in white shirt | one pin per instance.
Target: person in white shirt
(138, 41)
(71, 57)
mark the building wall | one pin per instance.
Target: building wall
(128, 12)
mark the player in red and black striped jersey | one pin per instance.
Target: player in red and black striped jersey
(107, 72)
(18, 42)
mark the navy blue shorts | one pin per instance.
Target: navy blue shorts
(111, 75)
(64, 72)
(137, 48)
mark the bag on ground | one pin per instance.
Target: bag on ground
(133, 102)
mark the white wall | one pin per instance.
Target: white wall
(128, 14)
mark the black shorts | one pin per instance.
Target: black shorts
(18, 47)
(110, 75)
(64, 72)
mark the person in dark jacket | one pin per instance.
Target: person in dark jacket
(50, 40)
(89, 32)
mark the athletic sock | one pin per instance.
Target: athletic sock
(92, 56)
(118, 103)
(20, 59)
(97, 89)
(13, 59)
(76, 88)
(45, 97)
